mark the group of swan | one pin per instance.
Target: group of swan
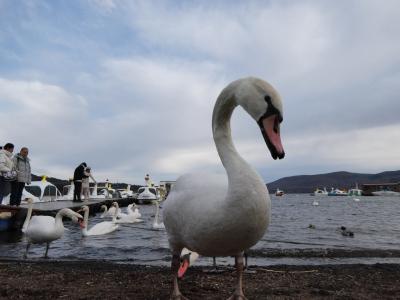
(132, 214)
(45, 229)
(216, 216)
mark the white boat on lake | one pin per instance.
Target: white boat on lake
(337, 192)
(319, 192)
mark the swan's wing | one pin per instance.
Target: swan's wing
(41, 224)
(192, 205)
(42, 229)
(102, 228)
(110, 212)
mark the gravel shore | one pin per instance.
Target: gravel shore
(104, 280)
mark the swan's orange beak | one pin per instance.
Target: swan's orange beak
(81, 223)
(271, 132)
(184, 265)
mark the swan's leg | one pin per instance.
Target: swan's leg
(47, 250)
(246, 265)
(175, 264)
(26, 251)
(238, 294)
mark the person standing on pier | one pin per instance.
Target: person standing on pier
(6, 167)
(79, 173)
(86, 184)
(23, 167)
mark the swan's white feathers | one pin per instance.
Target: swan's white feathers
(206, 214)
(42, 229)
(205, 231)
(101, 228)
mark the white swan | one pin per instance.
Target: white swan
(133, 217)
(110, 212)
(98, 229)
(315, 203)
(224, 217)
(45, 229)
(156, 223)
(133, 211)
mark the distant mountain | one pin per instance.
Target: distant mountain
(343, 180)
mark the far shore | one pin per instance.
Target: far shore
(51, 279)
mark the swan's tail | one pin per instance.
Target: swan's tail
(187, 259)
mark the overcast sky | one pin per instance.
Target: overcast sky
(129, 86)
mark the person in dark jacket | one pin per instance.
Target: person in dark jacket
(23, 167)
(79, 173)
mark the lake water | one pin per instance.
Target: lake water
(375, 222)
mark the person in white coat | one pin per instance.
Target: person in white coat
(6, 165)
(85, 182)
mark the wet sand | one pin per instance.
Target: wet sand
(103, 280)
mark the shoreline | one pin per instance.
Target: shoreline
(51, 279)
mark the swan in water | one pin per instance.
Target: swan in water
(226, 215)
(100, 228)
(133, 211)
(130, 217)
(156, 223)
(315, 203)
(110, 212)
(45, 229)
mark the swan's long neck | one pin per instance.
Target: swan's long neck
(59, 217)
(28, 217)
(85, 221)
(156, 216)
(114, 218)
(241, 175)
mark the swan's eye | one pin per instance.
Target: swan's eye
(267, 99)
